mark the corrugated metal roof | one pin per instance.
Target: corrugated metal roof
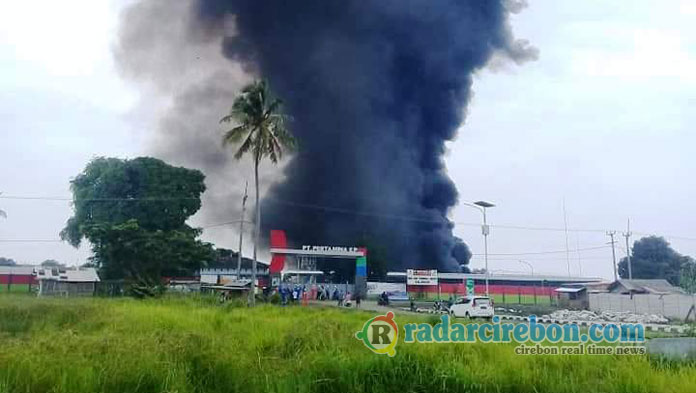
(87, 274)
(519, 277)
(513, 277)
(648, 285)
(569, 290)
(309, 272)
(17, 270)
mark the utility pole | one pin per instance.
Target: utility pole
(486, 230)
(627, 234)
(565, 226)
(613, 253)
(241, 231)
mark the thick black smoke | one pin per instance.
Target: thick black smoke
(375, 88)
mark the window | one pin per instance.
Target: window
(481, 302)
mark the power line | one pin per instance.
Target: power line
(360, 213)
(225, 223)
(64, 199)
(547, 252)
(535, 260)
(442, 221)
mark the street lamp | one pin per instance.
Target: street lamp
(485, 229)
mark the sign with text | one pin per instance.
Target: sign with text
(421, 277)
(330, 248)
(376, 288)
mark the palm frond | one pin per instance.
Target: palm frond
(246, 146)
(260, 123)
(235, 135)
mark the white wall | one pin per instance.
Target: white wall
(670, 306)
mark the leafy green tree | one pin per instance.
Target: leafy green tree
(134, 212)
(147, 255)
(687, 280)
(51, 263)
(259, 129)
(7, 261)
(653, 257)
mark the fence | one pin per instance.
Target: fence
(18, 287)
(501, 294)
(670, 306)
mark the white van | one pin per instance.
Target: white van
(478, 306)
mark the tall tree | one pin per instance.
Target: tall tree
(688, 276)
(134, 212)
(653, 257)
(51, 263)
(259, 129)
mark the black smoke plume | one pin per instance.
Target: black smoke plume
(375, 89)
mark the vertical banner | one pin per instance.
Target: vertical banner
(361, 267)
(278, 240)
(470, 287)
(361, 275)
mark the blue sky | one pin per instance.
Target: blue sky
(602, 119)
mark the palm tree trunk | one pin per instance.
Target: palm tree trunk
(257, 230)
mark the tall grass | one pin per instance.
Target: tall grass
(196, 345)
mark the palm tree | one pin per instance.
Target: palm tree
(260, 128)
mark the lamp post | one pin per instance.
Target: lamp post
(485, 230)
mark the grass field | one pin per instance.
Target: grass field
(15, 288)
(194, 345)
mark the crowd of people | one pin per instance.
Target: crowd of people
(298, 293)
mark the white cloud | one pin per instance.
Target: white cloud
(63, 37)
(650, 53)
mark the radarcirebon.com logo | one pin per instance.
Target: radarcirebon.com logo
(380, 334)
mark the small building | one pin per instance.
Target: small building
(572, 297)
(17, 278)
(225, 270)
(645, 286)
(229, 290)
(59, 281)
(184, 286)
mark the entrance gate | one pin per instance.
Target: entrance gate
(279, 251)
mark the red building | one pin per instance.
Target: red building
(17, 278)
(504, 288)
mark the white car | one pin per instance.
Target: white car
(478, 306)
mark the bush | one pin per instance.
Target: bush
(275, 298)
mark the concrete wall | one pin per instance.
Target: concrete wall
(670, 306)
